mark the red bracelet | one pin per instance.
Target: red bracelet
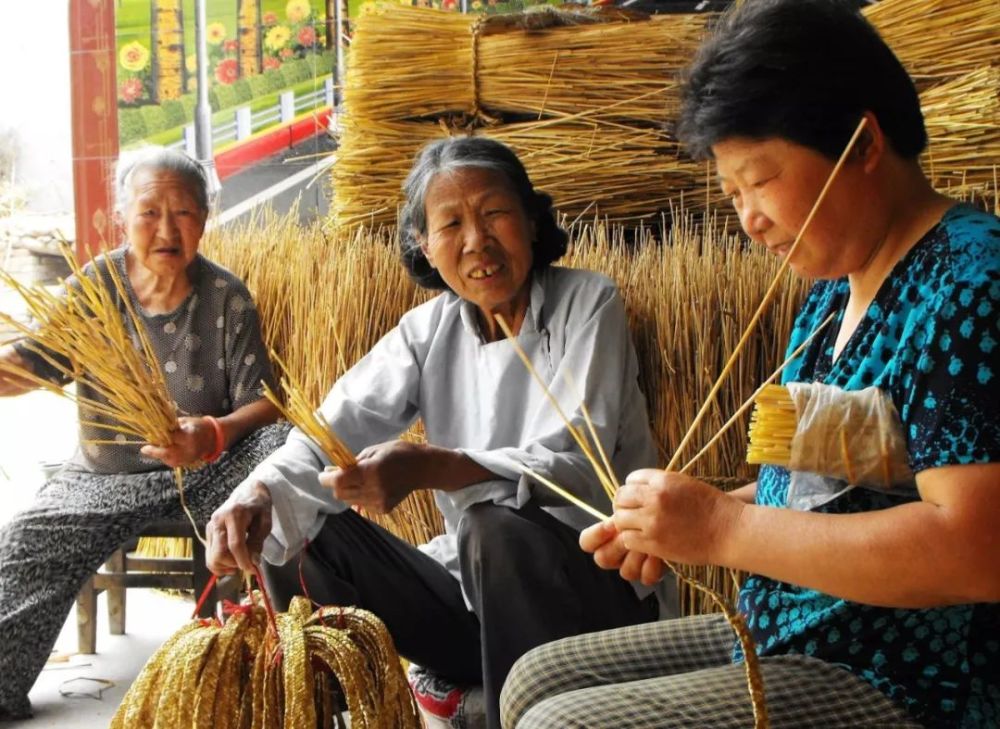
(220, 440)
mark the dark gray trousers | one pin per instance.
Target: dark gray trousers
(525, 574)
(77, 520)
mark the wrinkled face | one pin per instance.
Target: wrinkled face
(774, 183)
(163, 221)
(479, 238)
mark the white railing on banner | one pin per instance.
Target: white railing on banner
(245, 122)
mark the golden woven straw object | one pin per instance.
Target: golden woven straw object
(299, 671)
(772, 427)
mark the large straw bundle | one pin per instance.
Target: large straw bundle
(963, 123)
(581, 97)
(268, 671)
(595, 67)
(938, 40)
(373, 159)
(409, 62)
(687, 301)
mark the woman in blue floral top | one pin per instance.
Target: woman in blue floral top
(875, 608)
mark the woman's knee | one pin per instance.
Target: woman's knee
(534, 677)
(550, 713)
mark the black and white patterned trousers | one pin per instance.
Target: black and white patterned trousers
(77, 521)
(679, 673)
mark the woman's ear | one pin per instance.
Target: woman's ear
(870, 147)
(425, 249)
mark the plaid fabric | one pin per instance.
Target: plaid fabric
(78, 519)
(678, 673)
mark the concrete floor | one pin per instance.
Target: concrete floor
(152, 618)
(40, 427)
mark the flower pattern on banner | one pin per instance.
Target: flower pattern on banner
(240, 46)
(215, 33)
(134, 56)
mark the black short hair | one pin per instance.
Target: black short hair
(464, 152)
(802, 70)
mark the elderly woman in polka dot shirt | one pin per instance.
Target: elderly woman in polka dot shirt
(205, 332)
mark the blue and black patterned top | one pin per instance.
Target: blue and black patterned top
(929, 339)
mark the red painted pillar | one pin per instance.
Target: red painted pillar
(95, 120)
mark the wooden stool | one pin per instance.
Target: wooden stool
(122, 570)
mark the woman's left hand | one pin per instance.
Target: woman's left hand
(674, 517)
(605, 542)
(193, 439)
(384, 475)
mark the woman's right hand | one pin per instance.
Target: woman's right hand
(236, 531)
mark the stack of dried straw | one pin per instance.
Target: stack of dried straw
(963, 123)
(939, 40)
(269, 671)
(581, 98)
(336, 294)
(951, 48)
(584, 100)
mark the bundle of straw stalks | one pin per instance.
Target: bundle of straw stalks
(624, 67)
(963, 123)
(939, 40)
(435, 49)
(415, 520)
(688, 298)
(582, 98)
(81, 336)
(270, 671)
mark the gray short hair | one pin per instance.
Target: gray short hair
(164, 160)
(445, 155)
